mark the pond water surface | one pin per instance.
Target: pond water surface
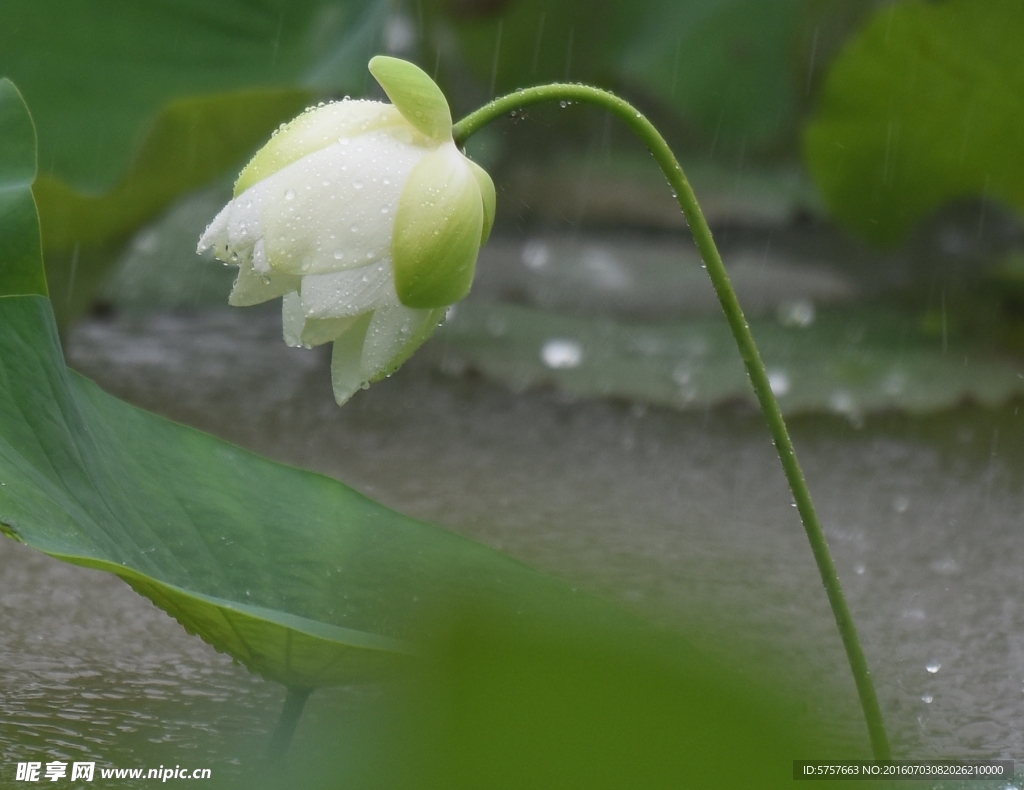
(682, 516)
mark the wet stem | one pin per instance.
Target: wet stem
(645, 130)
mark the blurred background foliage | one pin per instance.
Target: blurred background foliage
(139, 104)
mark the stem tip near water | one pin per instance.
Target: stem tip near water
(288, 721)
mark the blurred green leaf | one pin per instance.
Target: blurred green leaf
(138, 103)
(849, 361)
(922, 107)
(96, 74)
(732, 71)
(504, 704)
(725, 66)
(21, 256)
(527, 42)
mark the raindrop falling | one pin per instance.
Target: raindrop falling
(561, 354)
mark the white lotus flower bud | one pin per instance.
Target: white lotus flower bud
(366, 218)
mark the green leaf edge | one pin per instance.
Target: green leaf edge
(21, 255)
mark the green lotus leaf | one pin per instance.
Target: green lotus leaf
(922, 107)
(726, 66)
(852, 361)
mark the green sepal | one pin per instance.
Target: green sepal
(488, 197)
(415, 95)
(438, 227)
(21, 253)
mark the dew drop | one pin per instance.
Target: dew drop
(932, 667)
(289, 194)
(338, 255)
(926, 698)
(357, 184)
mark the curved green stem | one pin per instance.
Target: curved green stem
(748, 350)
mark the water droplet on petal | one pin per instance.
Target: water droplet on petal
(338, 255)
(289, 195)
(357, 184)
